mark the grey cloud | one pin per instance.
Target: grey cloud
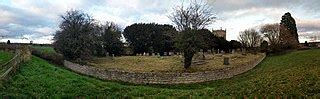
(308, 25)
(22, 23)
(231, 5)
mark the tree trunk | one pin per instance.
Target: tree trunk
(203, 56)
(161, 53)
(187, 59)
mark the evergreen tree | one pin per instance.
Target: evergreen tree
(288, 32)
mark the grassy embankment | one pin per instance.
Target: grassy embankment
(295, 73)
(4, 58)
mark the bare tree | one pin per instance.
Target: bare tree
(197, 15)
(272, 33)
(189, 19)
(250, 38)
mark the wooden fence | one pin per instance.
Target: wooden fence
(22, 54)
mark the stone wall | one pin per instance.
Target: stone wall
(163, 78)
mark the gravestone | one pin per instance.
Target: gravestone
(244, 51)
(171, 53)
(222, 52)
(226, 61)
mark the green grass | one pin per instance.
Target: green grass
(45, 49)
(292, 74)
(5, 57)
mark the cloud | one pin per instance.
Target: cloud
(39, 19)
(16, 22)
(308, 25)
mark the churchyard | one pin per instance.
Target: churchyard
(172, 63)
(88, 58)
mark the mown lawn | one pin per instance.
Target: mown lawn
(169, 63)
(293, 74)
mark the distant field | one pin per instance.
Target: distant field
(168, 63)
(45, 49)
(293, 74)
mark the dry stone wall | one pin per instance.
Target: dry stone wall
(163, 78)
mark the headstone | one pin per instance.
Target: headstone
(226, 61)
(170, 53)
(244, 51)
(233, 51)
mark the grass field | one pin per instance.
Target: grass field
(5, 57)
(169, 63)
(45, 49)
(293, 74)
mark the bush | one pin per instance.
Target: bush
(77, 36)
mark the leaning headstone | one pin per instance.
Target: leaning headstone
(226, 61)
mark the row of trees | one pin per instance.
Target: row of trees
(272, 38)
(151, 38)
(80, 36)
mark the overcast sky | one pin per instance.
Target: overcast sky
(37, 20)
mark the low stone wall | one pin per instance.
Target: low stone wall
(163, 78)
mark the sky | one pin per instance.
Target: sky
(37, 20)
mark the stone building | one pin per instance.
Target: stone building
(220, 33)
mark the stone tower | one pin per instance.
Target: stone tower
(220, 33)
